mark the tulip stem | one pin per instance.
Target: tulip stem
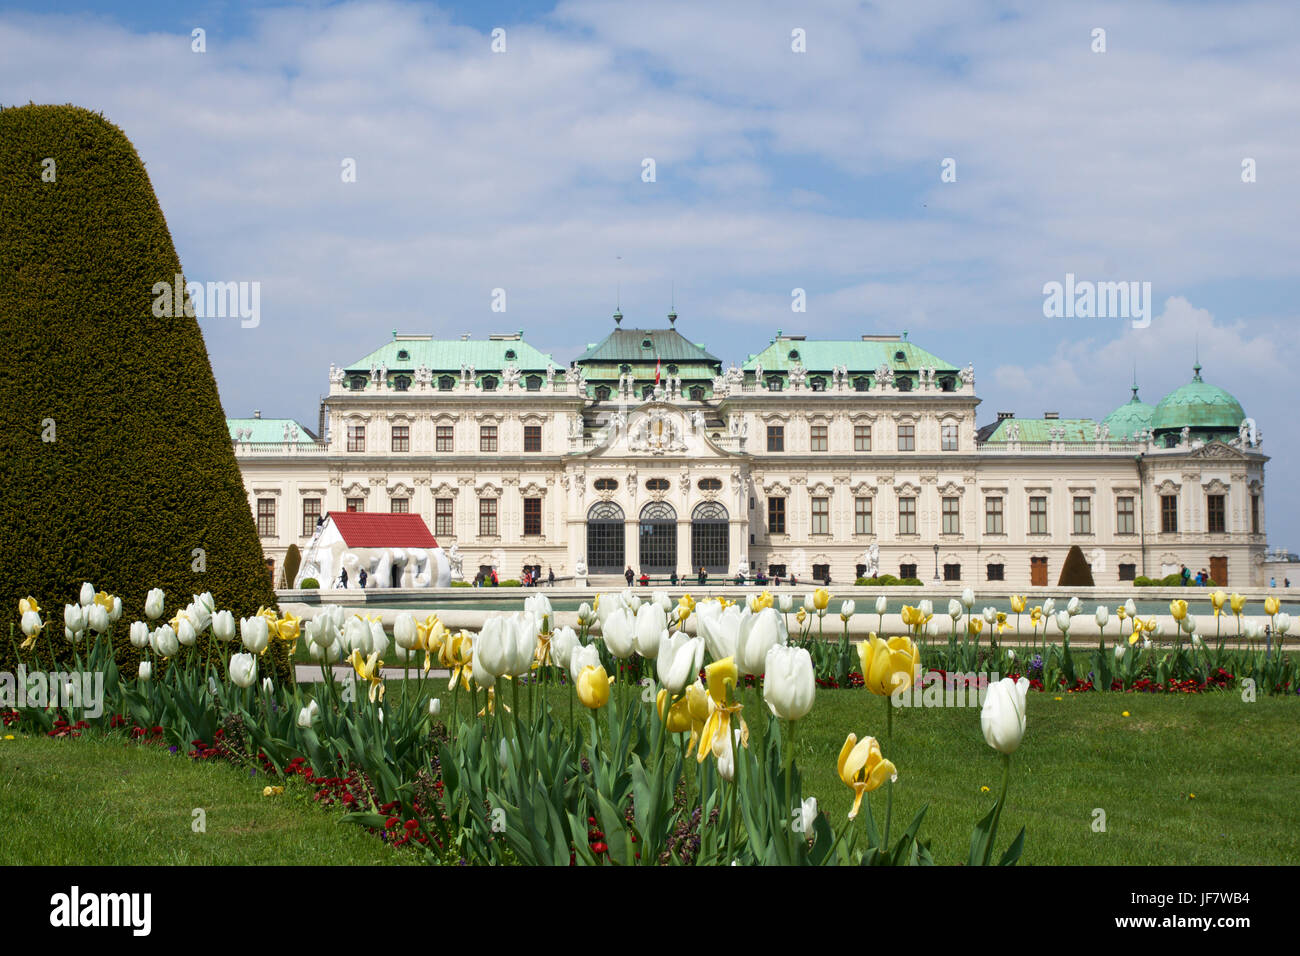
(889, 812)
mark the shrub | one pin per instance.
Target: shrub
(117, 460)
(292, 561)
(310, 584)
(888, 580)
(1076, 572)
(461, 584)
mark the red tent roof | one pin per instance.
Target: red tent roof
(361, 530)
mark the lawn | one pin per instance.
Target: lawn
(100, 801)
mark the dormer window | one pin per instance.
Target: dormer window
(403, 355)
(860, 384)
(510, 355)
(533, 383)
(774, 384)
(672, 370)
(625, 368)
(489, 383)
(402, 383)
(817, 384)
(904, 383)
(446, 383)
(794, 355)
(899, 356)
(357, 382)
(646, 344)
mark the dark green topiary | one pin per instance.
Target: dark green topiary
(292, 561)
(1076, 572)
(310, 584)
(140, 472)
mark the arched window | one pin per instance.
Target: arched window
(817, 383)
(446, 383)
(904, 383)
(658, 538)
(402, 382)
(861, 384)
(710, 537)
(697, 393)
(357, 382)
(605, 538)
(489, 383)
(602, 393)
(533, 383)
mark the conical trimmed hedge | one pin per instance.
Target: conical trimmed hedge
(114, 453)
(1076, 572)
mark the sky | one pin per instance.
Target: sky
(925, 167)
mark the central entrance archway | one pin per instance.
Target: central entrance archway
(710, 538)
(605, 522)
(658, 538)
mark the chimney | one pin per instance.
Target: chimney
(257, 413)
(1003, 416)
(1051, 416)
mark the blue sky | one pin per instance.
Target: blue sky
(819, 170)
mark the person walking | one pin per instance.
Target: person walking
(628, 575)
(343, 578)
(361, 579)
(550, 576)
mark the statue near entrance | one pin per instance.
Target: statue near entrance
(872, 560)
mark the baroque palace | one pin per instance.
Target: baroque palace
(819, 459)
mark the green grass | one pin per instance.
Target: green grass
(100, 801)
(1079, 755)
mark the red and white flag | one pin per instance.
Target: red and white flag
(657, 363)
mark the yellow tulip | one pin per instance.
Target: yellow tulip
(1018, 603)
(719, 675)
(270, 615)
(368, 670)
(862, 767)
(491, 706)
(1178, 609)
(1002, 621)
(104, 600)
(1218, 599)
(1036, 615)
(697, 705)
(1271, 606)
(458, 656)
(718, 727)
(685, 607)
(975, 625)
(1122, 612)
(889, 666)
(28, 604)
(288, 628)
(1133, 638)
(801, 616)
(1149, 624)
(821, 598)
(679, 714)
(593, 687)
(1237, 602)
(760, 601)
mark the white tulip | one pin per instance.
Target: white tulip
(882, 604)
(97, 618)
(1049, 607)
(539, 605)
(267, 686)
(932, 627)
(1282, 623)
(563, 643)
(146, 671)
(326, 652)
(631, 600)
(491, 651)
(1063, 621)
(243, 669)
(153, 604)
(809, 604)
(1103, 615)
(522, 629)
(1196, 640)
(254, 633)
(926, 607)
(435, 706)
(808, 815)
(74, 618)
(663, 600)
(87, 594)
(223, 626)
(307, 715)
(758, 634)
(785, 602)
(1073, 607)
(1003, 716)
(1146, 642)
(607, 604)
(1249, 629)
(955, 610)
(405, 633)
(164, 641)
(719, 628)
(185, 633)
(31, 624)
(199, 616)
(679, 659)
(584, 655)
(1188, 624)
(378, 639)
(990, 615)
(115, 612)
(1119, 652)
(651, 623)
(1011, 655)
(585, 614)
(356, 636)
(789, 682)
(139, 634)
(968, 598)
(619, 631)
(1160, 629)
(1130, 608)
(847, 609)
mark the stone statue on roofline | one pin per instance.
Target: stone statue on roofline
(968, 375)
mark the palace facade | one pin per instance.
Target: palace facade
(814, 458)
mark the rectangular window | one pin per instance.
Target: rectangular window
(443, 523)
(952, 572)
(907, 517)
(907, 571)
(401, 438)
(817, 438)
(533, 438)
(821, 516)
(993, 516)
(532, 516)
(862, 438)
(1125, 516)
(266, 517)
(356, 504)
(1128, 572)
(950, 436)
(356, 438)
(487, 517)
(1038, 515)
(952, 516)
(776, 438)
(776, 516)
(399, 506)
(862, 523)
(1169, 514)
(445, 438)
(310, 513)
(1082, 515)
(487, 438)
(1215, 514)
(997, 572)
(907, 438)
(1254, 514)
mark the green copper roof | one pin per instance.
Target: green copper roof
(685, 370)
(857, 354)
(1198, 405)
(448, 355)
(1039, 429)
(267, 430)
(648, 345)
(1133, 416)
